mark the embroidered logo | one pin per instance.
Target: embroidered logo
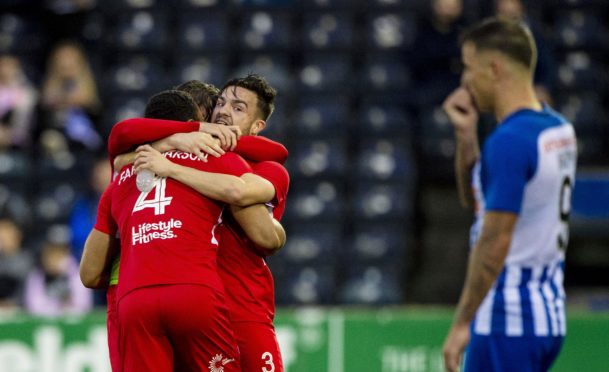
(217, 363)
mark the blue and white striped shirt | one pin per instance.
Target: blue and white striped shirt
(527, 167)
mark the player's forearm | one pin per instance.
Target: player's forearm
(466, 154)
(96, 258)
(260, 227)
(218, 186)
(280, 231)
(484, 266)
(258, 148)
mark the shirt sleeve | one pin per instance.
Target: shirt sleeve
(258, 148)
(507, 165)
(131, 132)
(276, 174)
(105, 222)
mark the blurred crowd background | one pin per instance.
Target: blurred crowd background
(372, 216)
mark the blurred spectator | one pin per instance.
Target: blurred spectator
(544, 73)
(15, 263)
(436, 56)
(17, 102)
(54, 287)
(84, 212)
(70, 104)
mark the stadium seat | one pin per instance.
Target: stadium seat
(311, 244)
(264, 30)
(209, 68)
(136, 74)
(390, 30)
(14, 202)
(15, 169)
(322, 116)
(328, 30)
(54, 201)
(194, 5)
(318, 158)
(580, 70)
(375, 243)
(437, 145)
(20, 34)
(581, 29)
(417, 5)
(383, 120)
(139, 31)
(265, 3)
(117, 6)
(326, 72)
(275, 67)
(329, 4)
(385, 72)
(308, 285)
(382, 201)
(202, 31)
(315, 201)
(278, 125)
(385, 160)
(590, 4)
(585, 110)
(372, 285)
(123, 107)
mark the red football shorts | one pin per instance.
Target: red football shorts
(258, 347)
(182, 327)
(112, 325)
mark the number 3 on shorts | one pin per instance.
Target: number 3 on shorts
(268, 360)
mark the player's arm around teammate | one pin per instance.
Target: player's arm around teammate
(100, 248)
(242, 191)
(246, 191)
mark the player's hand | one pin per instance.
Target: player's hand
(227, 134)
(454, 345)
(461, 110)
(148, 158)
(197, 143)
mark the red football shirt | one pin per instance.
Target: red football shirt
(249, 284)
(167, 235)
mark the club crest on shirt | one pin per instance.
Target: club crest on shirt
(217, 363)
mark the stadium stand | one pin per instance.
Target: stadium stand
(371, 152)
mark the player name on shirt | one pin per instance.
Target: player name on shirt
(130, 172)
(146, 232)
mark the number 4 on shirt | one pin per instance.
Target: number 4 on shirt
(159, 202)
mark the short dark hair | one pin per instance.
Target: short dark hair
(266, 94)
(204, 94)
(172, 105)
(511, 38)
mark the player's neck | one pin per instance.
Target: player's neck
(514, 95)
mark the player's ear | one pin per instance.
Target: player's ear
(258, 126)
(497, 66)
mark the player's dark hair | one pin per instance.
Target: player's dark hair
(511, 38)
(204, 94)
(172, 105)
(266, 94)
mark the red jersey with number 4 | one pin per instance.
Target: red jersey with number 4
(249, 284)
(167, 235)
